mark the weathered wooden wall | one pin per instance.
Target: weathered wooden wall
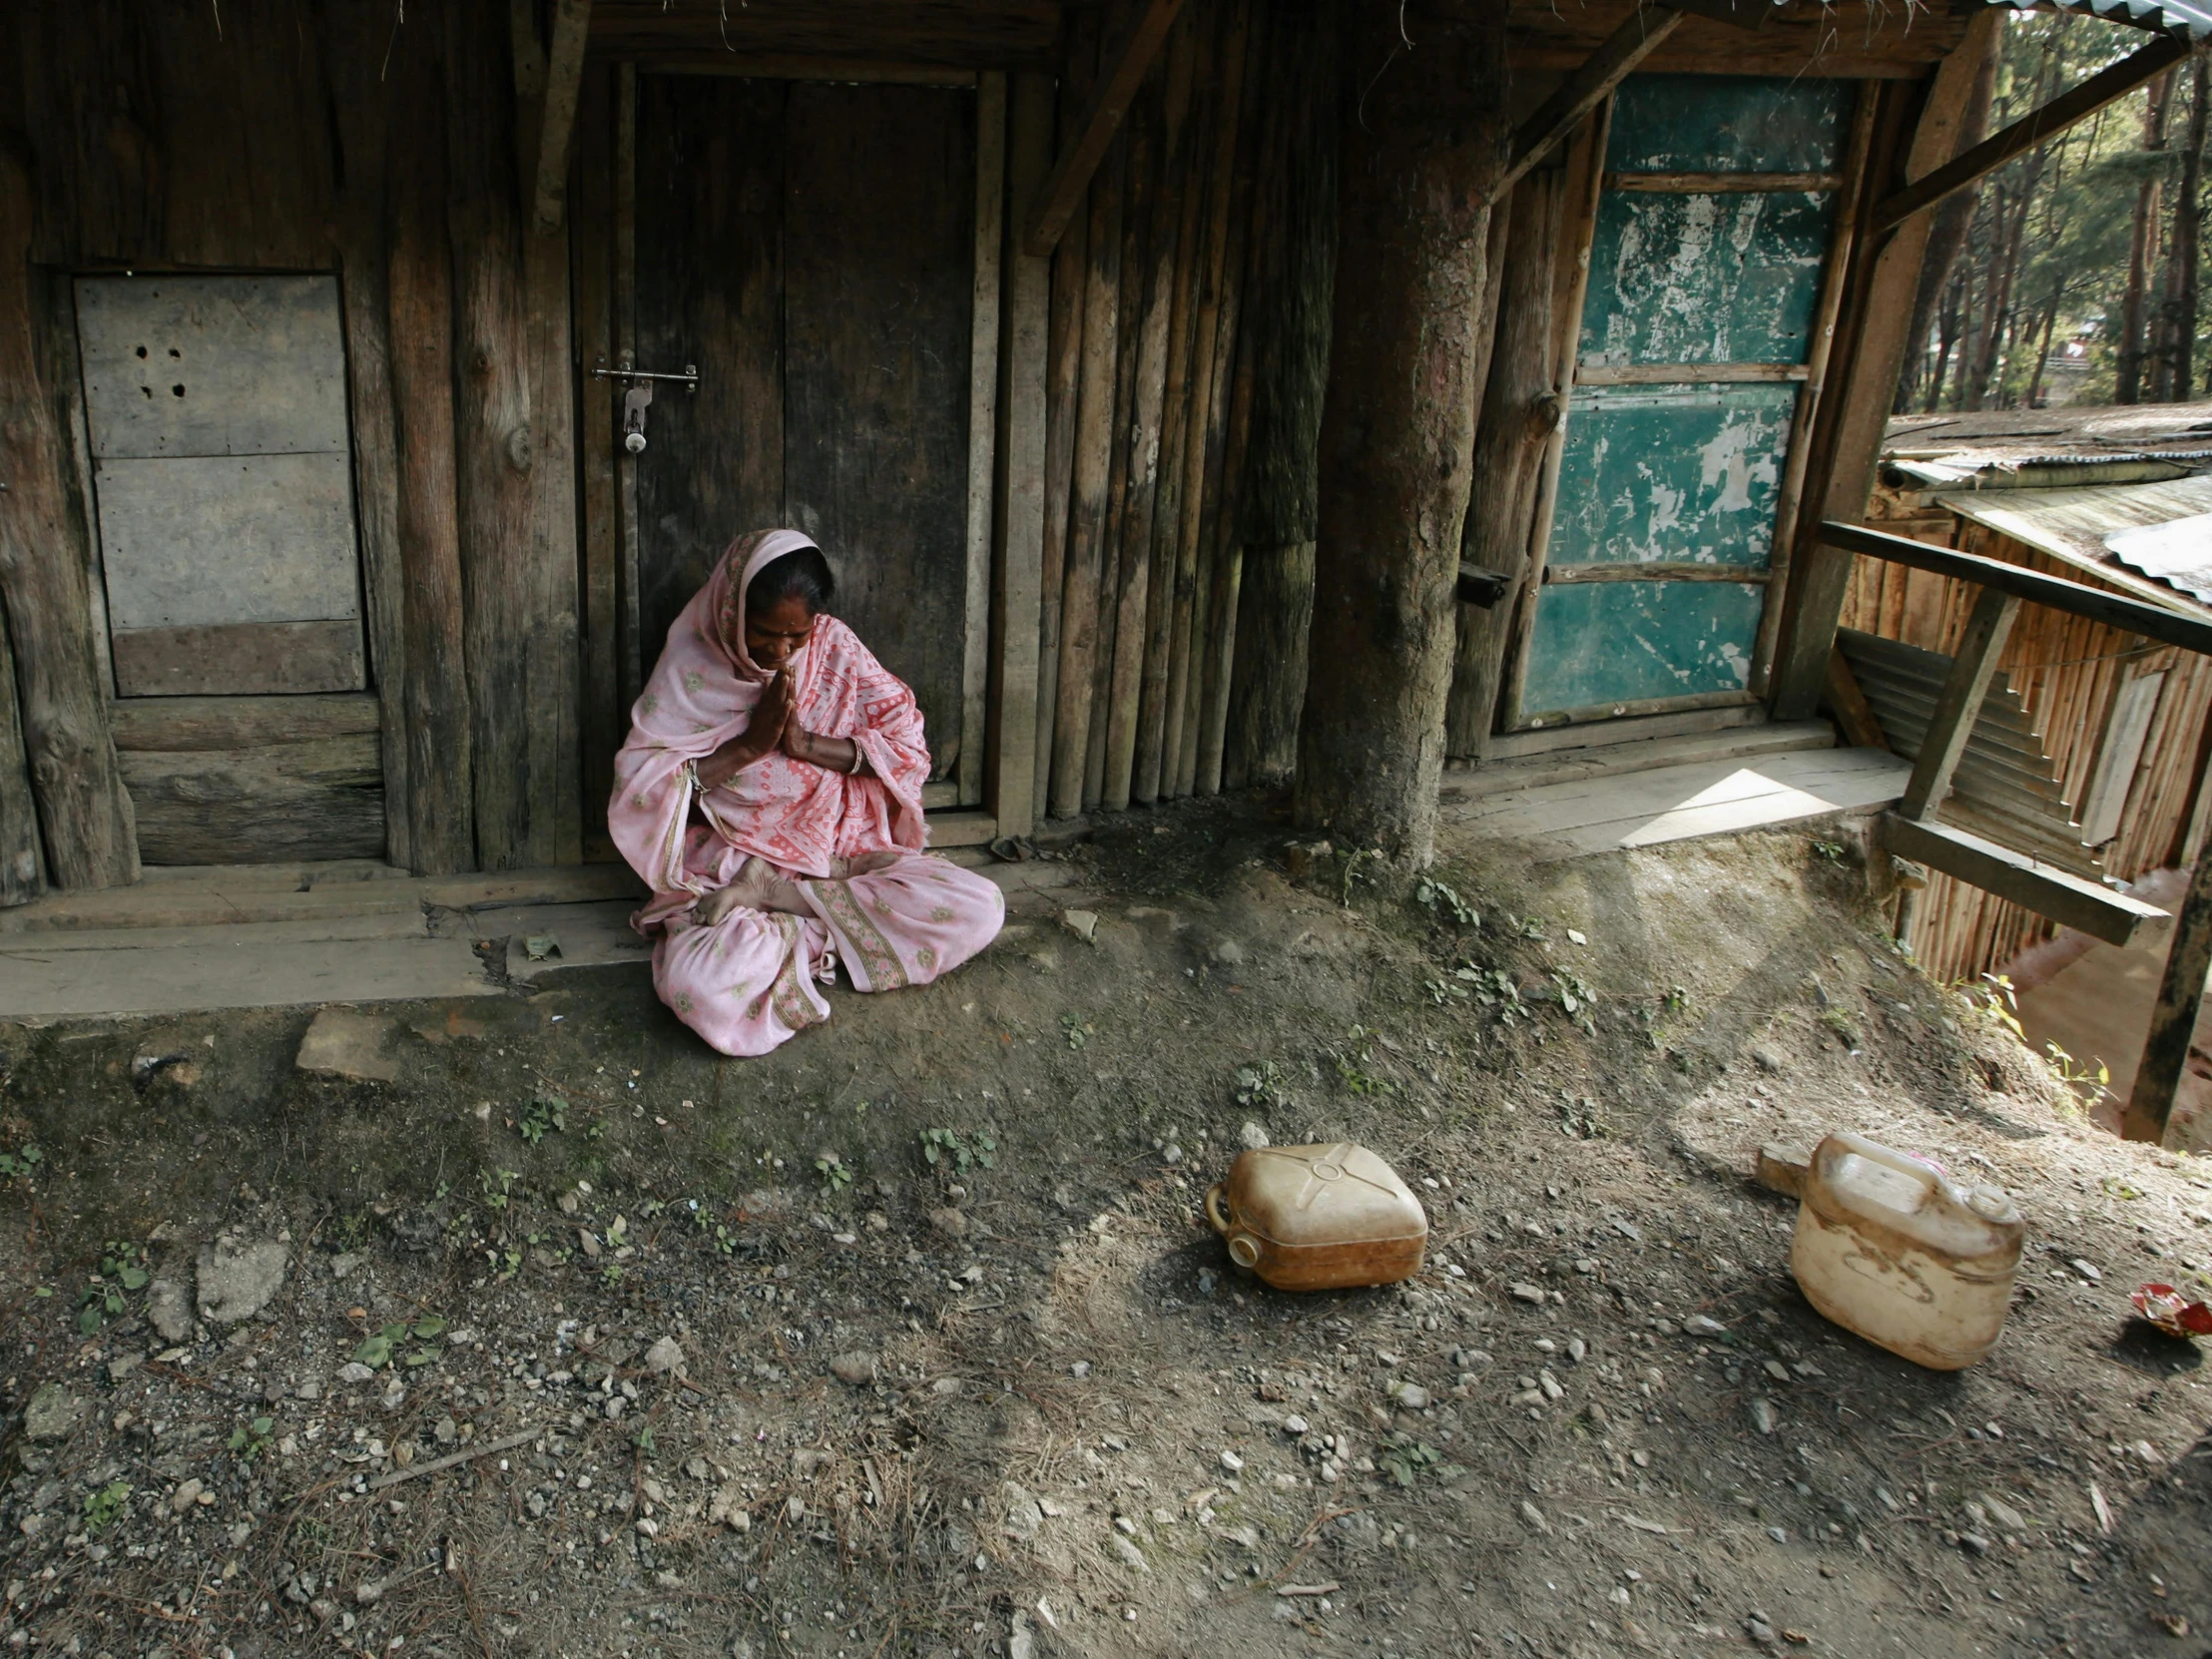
(2068, 673)
(314, 137)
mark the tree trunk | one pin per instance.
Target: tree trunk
(2142, 252)
(1946, 238)
(1286, 322)
(1519, 410)
(90, 830)
(1948, 326)
(2177, 365)
(2042, 350)
(1397, 431)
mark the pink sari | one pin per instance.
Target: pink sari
(752, 981)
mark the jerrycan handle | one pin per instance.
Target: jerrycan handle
(1242, 1250)
(1875, 1153)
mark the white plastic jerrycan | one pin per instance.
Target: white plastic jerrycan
(1887, 1247)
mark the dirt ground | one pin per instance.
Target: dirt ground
(570, 1338)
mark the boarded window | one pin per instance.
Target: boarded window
(222, 469)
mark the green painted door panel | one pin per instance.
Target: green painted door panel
(1599, 644)
(1726, 124)
(1672, 473)
(1723, 278)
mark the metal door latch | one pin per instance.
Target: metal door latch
(639, 397)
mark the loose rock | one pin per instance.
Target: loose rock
(1761, 1416)
(169, 1310)
(855, 1370)
(237, 1279)
(52, 1414)
(664, 1358)
(342, 1043)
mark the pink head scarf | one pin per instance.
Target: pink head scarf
(745, 559)
(702, 693)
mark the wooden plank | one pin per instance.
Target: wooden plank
(1722, 184)
(2124, 730)
(1848, 705)
(1654, 570)
(1063, 192)
(2068, 899)
(154, 723)
(213, 366)
(997, 34)
(591, 246)
(262, 804)
(962, 828)
(1597, 734)
(242, 659)
(1972, 668)
(2168, 627)
(789, 65)
(1614, 760)
(1873, 318)
(1589, 85)
(878, 195)
(563, 85)
(1024, 364)
(230, 539)
(1684, 375)
(22, 867)
(1791, 497)
(2039, 125)
(434, 690)
(366, 115)
(990, 222)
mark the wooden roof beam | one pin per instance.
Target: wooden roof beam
(1071, 174)
(2036, 126)
(1584, 89)
(564, 81)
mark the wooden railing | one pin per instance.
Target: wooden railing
(1913, 833)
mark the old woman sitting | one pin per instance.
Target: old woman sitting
(770, 794)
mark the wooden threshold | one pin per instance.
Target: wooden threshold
(2044, 888)
(1614, 760)
(1602, 733)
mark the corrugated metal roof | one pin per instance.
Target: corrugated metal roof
(2189, 18)
(2072, 526)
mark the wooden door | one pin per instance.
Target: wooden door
(812, 249)
(1707, 260)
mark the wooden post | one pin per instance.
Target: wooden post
(434, 694)
(564, 81)
(22, 869)
(1519, 410)
(1640, 34)
(1988, 626)
(1154, 773)
(1164, 225)
(1070, 262)
(1087, 500)
(628, 574)
(592, 243)
(2173, 1019)
(1397, 431)
(990, 225)
(1021, 481)
(1581, 188)
(1869, 350)
(45, 582)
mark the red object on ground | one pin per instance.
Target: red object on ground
(2172, 1311)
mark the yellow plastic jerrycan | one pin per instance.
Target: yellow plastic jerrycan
(1889, 1246)
(1319, 1218)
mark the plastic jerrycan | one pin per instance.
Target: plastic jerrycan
(1887, 1247)
(1317, 1218)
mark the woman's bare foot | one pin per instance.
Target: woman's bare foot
(867, 864)
(758, 886)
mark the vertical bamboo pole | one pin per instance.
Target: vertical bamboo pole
(1146, 785)
(1232, 417)
(1578, 224)
(1138, 137)
(1087, 497)
(1821, 343)
(1064, 352)
(626, 356)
